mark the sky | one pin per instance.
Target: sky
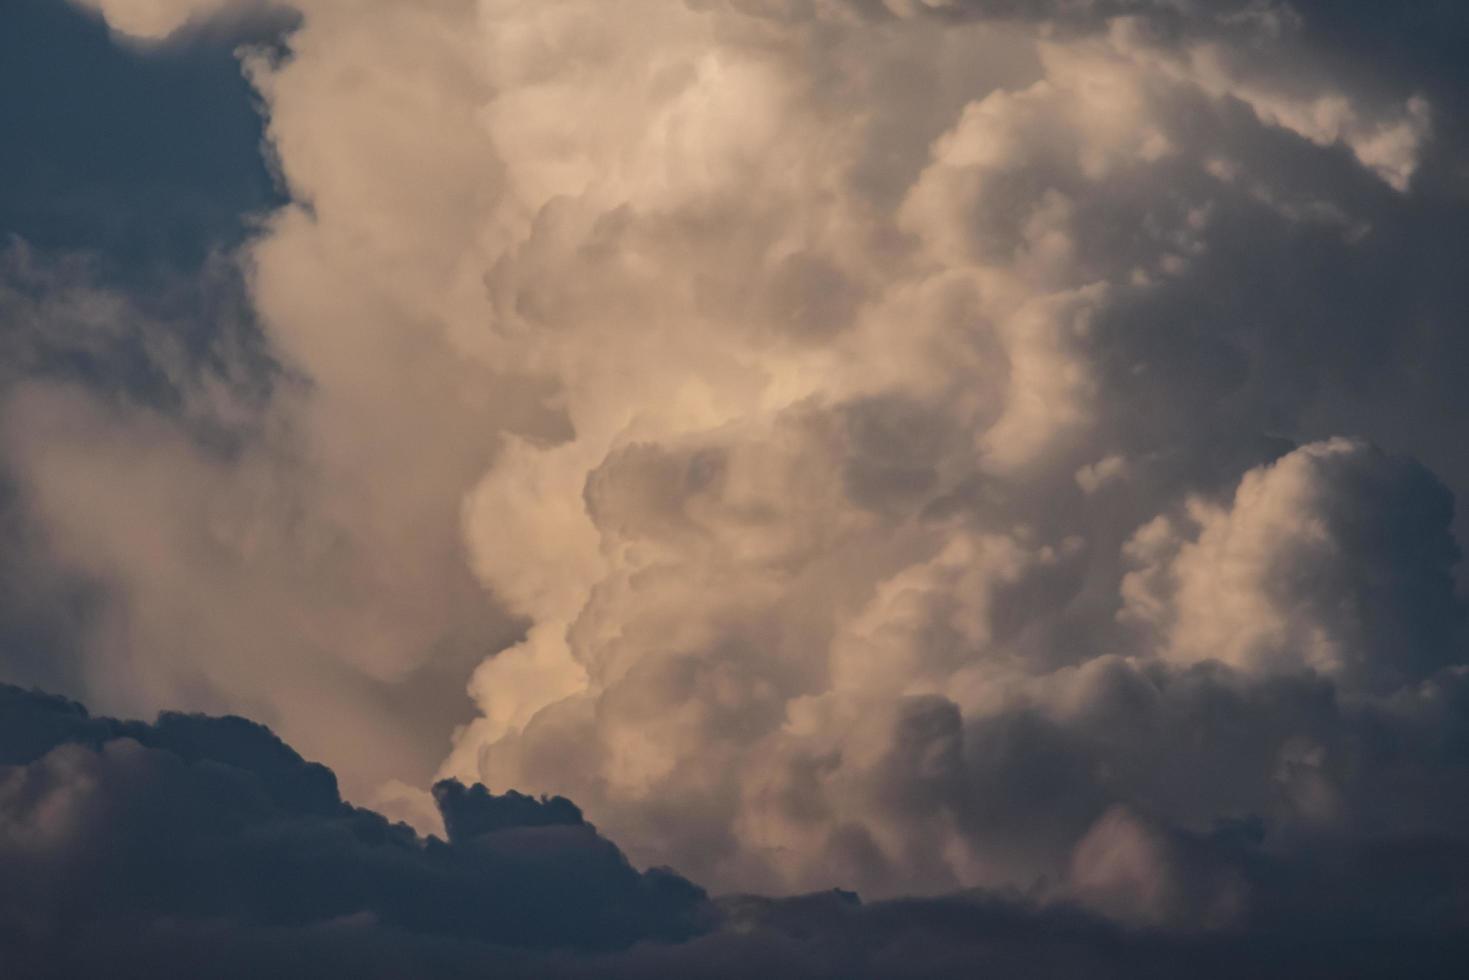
(706, 487)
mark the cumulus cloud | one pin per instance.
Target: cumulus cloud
(839, 444)
(1333, 559)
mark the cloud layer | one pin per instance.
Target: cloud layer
(213, 823)
(896, 446)
(206, 844)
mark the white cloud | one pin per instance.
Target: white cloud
(1309, 568)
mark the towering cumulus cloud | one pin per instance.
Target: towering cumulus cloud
(905, 445)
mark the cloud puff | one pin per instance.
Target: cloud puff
(152, 21)
(1334, 559)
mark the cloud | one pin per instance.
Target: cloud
(1334, 559)
(148, 23)
(197, 843)
(1132, 872)
(214, 822)
(865, 445)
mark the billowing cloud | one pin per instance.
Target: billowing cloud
(837, 443)
(1333, 559)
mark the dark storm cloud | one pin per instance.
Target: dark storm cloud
(207, 821)
(206, 845)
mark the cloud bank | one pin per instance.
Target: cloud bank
(199, 830)
(198, 844)
(903, 446)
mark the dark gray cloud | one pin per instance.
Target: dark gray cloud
(199, 844)
(214, 823)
